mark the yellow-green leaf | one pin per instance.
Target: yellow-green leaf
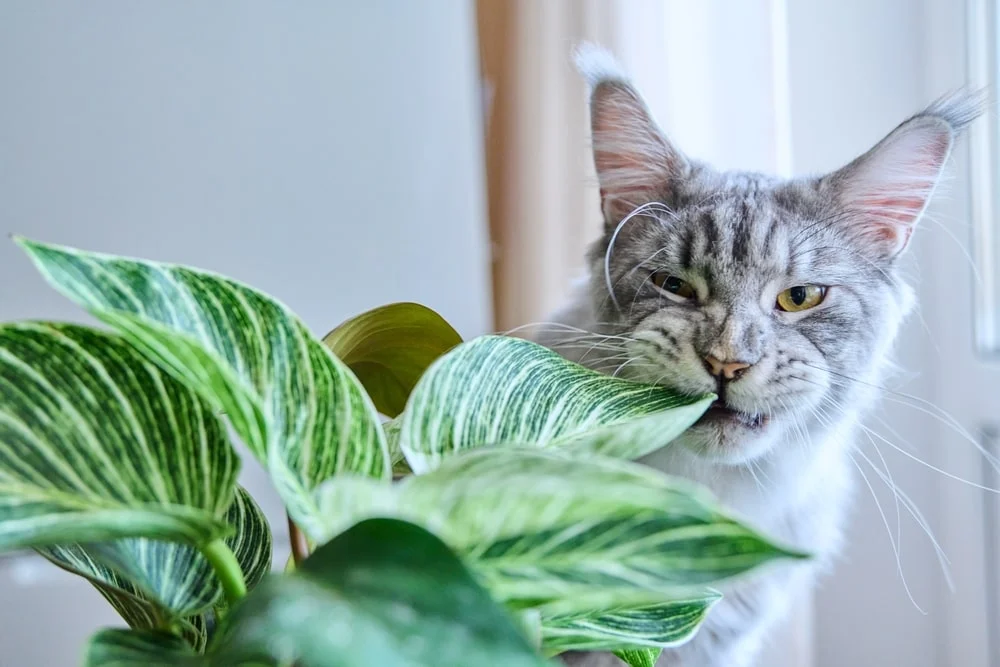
(390, 347)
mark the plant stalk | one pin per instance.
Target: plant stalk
(299, 543)
(227, 568)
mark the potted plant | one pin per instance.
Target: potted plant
(494, 519)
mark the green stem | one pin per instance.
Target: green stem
(227, 568)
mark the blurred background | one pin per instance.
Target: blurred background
(343, 154)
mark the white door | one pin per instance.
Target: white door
(964, 304)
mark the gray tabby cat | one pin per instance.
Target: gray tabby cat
(781, 296)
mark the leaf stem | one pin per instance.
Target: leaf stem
(227, 568)
(300, 546)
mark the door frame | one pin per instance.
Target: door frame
(961, 49)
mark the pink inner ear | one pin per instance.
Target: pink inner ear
(899, 209)
(633, 158)
(894, 235)
(901, 197)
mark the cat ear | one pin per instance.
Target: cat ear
(635, 161)
(885, 191)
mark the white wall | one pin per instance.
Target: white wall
(326, 152)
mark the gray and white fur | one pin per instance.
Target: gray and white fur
(792, 385)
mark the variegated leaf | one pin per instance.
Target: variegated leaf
(498, 391)
(400, 468)
(97, 444)
(251, 544)
(158, 585)
(390, 347)
(542, 529)
(297, 407)
(383, 593)
(131, 648)
(152, 585)
(656, 626)
(639, 657)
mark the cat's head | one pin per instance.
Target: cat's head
(781, 296)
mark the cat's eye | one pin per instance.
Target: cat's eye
(801, 297)
(681, 289)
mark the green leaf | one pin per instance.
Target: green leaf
(251, 544)
(639, 657)
(297, 407)
(499, 391)
(390, 347)
(542, 529)
(152, 585)
(130, 648)
(656, 626)
(160, 585)
(382, 593)
(97, 443)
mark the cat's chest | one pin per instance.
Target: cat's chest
(801, 503)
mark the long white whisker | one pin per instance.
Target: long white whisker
(918, 516)
(928, 465)
(942, 416)
(895, 547)
(657, 206)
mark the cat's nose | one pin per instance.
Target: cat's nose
(729, 370)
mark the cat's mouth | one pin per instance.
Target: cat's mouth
(720, 414)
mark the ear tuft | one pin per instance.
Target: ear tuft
(959, 108)
(597, 65)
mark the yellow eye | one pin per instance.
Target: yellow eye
(801, 297)
(673, 284)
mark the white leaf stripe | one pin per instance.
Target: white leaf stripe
(251, 544)
(542, 529)
(662, 626)
(639, 657)
(497, 391)
(88, 451)
(155, 585)
(164, 581)
(297, 407)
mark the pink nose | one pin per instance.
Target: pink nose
(729, 370)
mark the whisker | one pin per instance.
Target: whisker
(641, 210)
(929, 465)
(942, 416)
(895, 547)
(911, 507)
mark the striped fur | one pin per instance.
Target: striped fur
(739, 239)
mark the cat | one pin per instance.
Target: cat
(782, 297)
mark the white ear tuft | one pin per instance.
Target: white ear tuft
(597, 65)
(960, 108)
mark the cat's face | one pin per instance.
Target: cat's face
(782, 297)
(743, 290)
